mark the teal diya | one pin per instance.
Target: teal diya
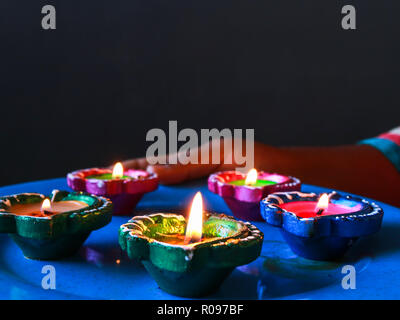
(49, 228)
(190, 258)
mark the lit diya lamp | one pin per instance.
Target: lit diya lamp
(52, 228)
(125, 188)
(193, 258)
(243, 192)
(321, 227)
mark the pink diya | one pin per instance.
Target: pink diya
(243, 193)
(125, 188)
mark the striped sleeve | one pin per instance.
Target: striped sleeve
(389, 144)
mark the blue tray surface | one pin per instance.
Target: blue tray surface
(102, 271)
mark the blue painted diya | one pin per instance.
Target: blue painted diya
(321, 227)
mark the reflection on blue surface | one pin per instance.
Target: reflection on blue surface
(102, 271)
(284, 273)
(345, 202)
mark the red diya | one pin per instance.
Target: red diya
(125, 188)
(321, 227)
(242, 193)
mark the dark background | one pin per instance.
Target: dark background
(86, 93)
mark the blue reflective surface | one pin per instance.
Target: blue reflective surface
(101, 270)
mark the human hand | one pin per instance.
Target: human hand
(178, 172)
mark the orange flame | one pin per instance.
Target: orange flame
(251, 177)
(46, 205)
(194, 227)
(118, 171)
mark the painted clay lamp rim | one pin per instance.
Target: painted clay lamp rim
(241, 248)
(93, 217)
(355, 224)
(219, 185)
(77, 180)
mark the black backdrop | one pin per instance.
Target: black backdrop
(86, 93)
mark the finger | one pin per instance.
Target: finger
(173, 174)
(138, 163)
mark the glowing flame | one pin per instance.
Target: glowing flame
(251, 177)
(46, 205)
(194, 227)
(323, 202)
(118, 171)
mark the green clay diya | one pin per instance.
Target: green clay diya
(47, 229)
(186, 262)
